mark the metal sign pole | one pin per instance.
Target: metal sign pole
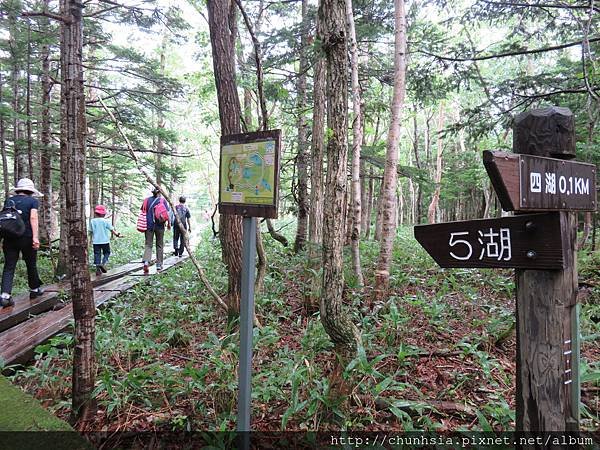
(246, 327)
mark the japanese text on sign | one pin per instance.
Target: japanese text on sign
(547, 184)
(492, 243)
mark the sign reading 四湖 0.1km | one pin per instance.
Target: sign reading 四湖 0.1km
(249, 174)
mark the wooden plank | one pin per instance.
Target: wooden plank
(17, 344)
(111, 275)
(528, 241)
(534, 183)
(24, 307)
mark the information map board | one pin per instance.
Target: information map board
(249, 174)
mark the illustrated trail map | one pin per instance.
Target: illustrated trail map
(248, 173)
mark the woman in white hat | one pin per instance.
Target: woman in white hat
(27, 245)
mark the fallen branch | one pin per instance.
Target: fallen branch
(184, 232)
(275, 235)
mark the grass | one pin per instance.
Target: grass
(440, 351)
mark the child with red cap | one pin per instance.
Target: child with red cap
(100, 230)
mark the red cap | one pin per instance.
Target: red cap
(100, 209)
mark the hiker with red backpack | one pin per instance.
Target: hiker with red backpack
(155, 211)
(101, 230)
(184, 218)
(19, 228)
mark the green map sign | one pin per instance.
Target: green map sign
(249, 173)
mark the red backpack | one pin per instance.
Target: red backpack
(161, 214)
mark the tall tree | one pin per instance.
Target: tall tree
(73, 146)
(5, 180)
(46, 210)
(315, 222)
(222, 24)
(387, 201)
(302, 158)
(437, 178)
(336, 321)
(357, 138)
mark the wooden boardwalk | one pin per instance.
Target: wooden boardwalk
(22, 330)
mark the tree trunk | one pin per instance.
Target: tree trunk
(388, 207)
(222, 24)
(5, 179)
(47, 231)
(315, 225)
(343, 333)
(160, 125)
(19, 158)
(357, 138)
(261, 266)
(73, 136)
(435, 198)
(303, 157)
(369, 203)
(28, 107)
(364, 196)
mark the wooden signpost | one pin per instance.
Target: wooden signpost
(248, 186)
(533, 183)
(541, 247)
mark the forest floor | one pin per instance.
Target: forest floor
(438, 354)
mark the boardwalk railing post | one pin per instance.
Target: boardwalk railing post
(546, 300)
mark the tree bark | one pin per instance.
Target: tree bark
(369, 203)
(5, 179)
(73, 143)
(222, 24)
(357, 138)
(47, 231)
(28, 107)
(160, 125)
(302, 158)
(343, 333)
(315, 224)
(435, 198)
(388, 191)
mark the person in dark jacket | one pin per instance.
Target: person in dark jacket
(26, 245)
(184, 217)
(155, 228)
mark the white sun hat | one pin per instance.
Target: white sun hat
(25, 184)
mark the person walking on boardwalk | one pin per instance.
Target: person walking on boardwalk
(26, 244)
(184, 215)
(101, 230)
(157, 216)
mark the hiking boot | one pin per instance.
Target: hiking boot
(6, 301)
(98, 271)
(146, 269)
(158, 267)
(35, 293)
(103, 268)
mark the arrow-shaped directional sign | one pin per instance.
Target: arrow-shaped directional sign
(533, 183)
(531, 241)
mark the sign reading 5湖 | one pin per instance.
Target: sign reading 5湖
(526, 242)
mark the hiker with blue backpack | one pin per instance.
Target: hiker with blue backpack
(184, 218)
(154, 215)
(19, 228)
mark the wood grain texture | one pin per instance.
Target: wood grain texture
(545, 301)
(538, 233)
(559, 185)
(545, 132)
